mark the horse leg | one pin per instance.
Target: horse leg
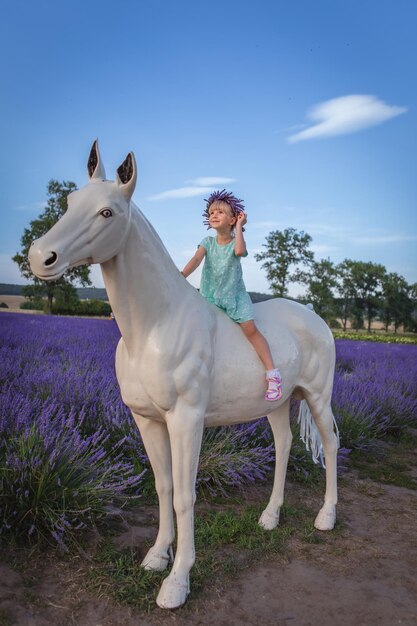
(321, 411)
(185, 427)
(156, 441)
(280, 425)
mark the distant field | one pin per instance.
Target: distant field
(14, 302)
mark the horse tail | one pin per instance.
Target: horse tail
(310, 435)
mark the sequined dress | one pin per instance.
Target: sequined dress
(222, 281)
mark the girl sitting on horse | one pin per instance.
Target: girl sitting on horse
(222, 281)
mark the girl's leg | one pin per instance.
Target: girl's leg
(261, 346)
(259, 343)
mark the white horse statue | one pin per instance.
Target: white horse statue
(182, 364)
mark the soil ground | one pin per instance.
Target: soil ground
(361, 574)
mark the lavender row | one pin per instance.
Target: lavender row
(69, 446)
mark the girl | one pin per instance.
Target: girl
(221, 280)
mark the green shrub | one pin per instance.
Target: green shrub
(3, 305)
(33, 305)
(407, 339)
(334, 323)
(54, 482)
(83, 307)
(94, 307)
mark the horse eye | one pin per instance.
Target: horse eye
(106, 212)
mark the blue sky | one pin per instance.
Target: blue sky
(306, 110)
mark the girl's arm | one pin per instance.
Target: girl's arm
(194, 262)
(240, 245)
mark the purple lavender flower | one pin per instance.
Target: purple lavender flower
(66, 439)
(374, 394)
(65, 434)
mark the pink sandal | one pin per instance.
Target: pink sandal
(274, 391)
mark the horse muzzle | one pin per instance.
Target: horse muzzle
(46, 264)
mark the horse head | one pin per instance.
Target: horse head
(95, 225)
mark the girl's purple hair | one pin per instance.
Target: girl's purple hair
(235, 204)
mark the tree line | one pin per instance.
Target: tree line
(351, 291)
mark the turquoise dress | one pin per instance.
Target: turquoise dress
(222, 281)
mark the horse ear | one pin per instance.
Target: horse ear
(126, 176)
(95, 166)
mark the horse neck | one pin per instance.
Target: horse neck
(142, 282)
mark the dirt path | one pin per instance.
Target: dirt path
(364, 573)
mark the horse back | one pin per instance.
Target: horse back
(300, 343)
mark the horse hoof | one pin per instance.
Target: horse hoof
(155, 562)
(326, 518)
(269, 521)
(172, 594)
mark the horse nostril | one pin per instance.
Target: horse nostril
(51, 259)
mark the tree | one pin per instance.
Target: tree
(285, 251)
(346, 290)
(397, 306)
(320, 281)
(55, 208)
(413, 316)
(66, 296)
(367, 282)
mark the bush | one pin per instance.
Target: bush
(3, 305)
(357, 323)
(55, 482)
(69, 449)
(232, 456)
(374, 393)
(334, 323)
(94, 308)
(379, 338)
(33, 305)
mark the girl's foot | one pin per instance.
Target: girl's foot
(274, 391)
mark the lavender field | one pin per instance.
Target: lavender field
(69, 448)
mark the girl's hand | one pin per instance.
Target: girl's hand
(241, 219)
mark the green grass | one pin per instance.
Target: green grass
(310, 535)
(6, 618)
(391, 465)
(228, 537)
(119, 574)
(375, 336)
(226, 542)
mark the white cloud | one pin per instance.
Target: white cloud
(346, 114)
(205, 181)
(181, 192)
(195, 187)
